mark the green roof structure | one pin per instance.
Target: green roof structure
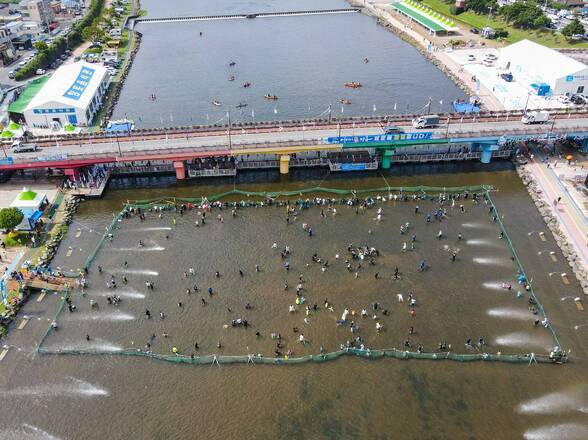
(27, 195)
(27, 95)
(426, 17)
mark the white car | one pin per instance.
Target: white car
(40, 72)
(22, 63)
(563, 99)
(471, 57)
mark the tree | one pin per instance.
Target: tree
(573, 28)
(10, 218)
(93, 34)
(481, 6)
(41, 46)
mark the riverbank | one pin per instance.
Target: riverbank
(132, 46)
(432, 48)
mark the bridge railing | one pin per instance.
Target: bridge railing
(320, 123)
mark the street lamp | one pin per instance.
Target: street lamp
(527, 101)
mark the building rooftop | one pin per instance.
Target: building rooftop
(71, 85)
(538, 63)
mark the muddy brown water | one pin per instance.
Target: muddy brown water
(104, 396)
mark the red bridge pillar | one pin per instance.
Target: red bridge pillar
(72, 173)
(180, 170)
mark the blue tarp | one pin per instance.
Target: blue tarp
(125, 126)
(465, 107)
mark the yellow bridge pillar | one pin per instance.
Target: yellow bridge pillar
(284, 163)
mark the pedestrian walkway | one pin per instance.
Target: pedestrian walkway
(573, 223)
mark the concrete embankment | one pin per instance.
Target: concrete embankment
(545, 208)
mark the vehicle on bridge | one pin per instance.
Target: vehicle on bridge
(19, 147)
(535, 117)
(393, 129)
(426, 121)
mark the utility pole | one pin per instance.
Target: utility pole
(118, 144)
(329, 113)
(429, 106)
(230, 140)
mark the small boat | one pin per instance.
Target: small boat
(247, 84)
(353, 85)
(345, 101)
(241, 105)
(271, 97)
(232, 78)
(232, 63)
(120, 125)
(217, 103)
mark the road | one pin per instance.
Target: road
(241, 139)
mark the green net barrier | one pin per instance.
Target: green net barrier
(422, 191)
(50, 328)
(365, 354)
(521, 270)
(55, 205)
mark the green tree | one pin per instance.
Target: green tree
(41, 46)
(481, 6)
(10, 218)
(573, 28)
(93, 34)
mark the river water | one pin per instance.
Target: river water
(97, 397)
(304, 60)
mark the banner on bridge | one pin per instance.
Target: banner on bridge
(379, 138)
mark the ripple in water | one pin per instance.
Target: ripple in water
(491, 261)
(482, 242)
(564, 431)
(523, 315)
(102, 317)
(71, 387)
(138, 249)
(136, 272)
(521, 339)
(494, 285)
(97, 345)
(474, 225)
(26, 432)
(557, 403)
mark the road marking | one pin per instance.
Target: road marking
(69, 252)
(565, 280)
(23, 323)
(553, 258)
(78, 234)
(41, 296)
(3, 353)
(579, 306)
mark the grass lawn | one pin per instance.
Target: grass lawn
(13, 239)
(470, 19)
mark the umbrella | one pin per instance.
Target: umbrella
(6, 134)
(13, 126)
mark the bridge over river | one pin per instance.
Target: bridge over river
(135, 21)
(484, 134)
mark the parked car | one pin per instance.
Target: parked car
(40, 72)
(474, 31)
(535, 117)
(11, 74)
(471, 57)
(577, 99)
(563, 99)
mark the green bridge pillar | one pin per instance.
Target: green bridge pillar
(386, 158)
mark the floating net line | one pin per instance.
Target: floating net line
(423, 192)
(212, 359)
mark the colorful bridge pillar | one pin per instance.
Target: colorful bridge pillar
(180, 168)
(486, 150)
(387, 159)
(284, 163)
(72, 173)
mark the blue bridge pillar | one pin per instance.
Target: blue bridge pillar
(486, 150)
(584, 147)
